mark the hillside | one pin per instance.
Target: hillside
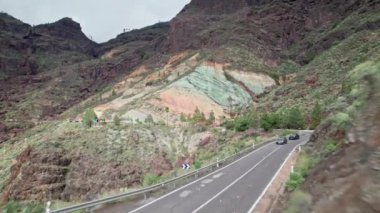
(193, 89)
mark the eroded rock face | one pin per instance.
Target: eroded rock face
(38, 175)
(90, 177)
(160, 164)
(58, 175)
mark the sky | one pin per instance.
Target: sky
(101, 20)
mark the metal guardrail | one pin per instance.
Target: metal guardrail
(165, 184)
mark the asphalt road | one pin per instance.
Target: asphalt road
(234, 188)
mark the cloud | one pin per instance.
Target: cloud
(102, 20)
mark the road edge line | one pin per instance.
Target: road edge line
(235, 181)
(271, 181)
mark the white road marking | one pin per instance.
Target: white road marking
(203, 185)
(206, 181)
(218, 175)
(185, 193)
(229, 186)
(271, 181)
(216, 171)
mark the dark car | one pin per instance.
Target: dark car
(282, 141)
(294, 137)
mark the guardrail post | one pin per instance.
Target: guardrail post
(299, 148)
(292, 168)
(144, 195)
(217, 162)
(47, 210)
(196, 174)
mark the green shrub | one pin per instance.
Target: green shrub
(293, 119)
(198, 116)
(304, 163)
(204, 154)
(116, 120)
(342, 120)
(270, 121)
(299, 202)
(229, 125)
(149, 119)
(294, 181)
(13, 207)
(89, 117)
(151, 179)
(241, 124)
(246, 121)
(211, 118)
(183, 117)
(197, 164)
(238, 146)
(330, 146)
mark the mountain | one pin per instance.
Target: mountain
(270, 29)
(192, 89)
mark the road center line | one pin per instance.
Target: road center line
(229, 186)
(218, 170)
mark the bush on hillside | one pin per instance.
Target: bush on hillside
(116, 120)
(243, 122)
(198, 116)
(14, 206)
(89, 117)
(183, 117)
(294, 181)
(304, 164)
(149, 119)
(342, 120)
(211, 118)
(330, 146)
(299, 202)
(197, 164)
(293, 119)
(270, 121)
(151, 179)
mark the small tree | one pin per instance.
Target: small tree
(167, 115)
(149, 119)
(183, 117)
(265, 122)
(270, 121)
(116, 120)
(89, 117)
(198, 116)
(211, 118)
(316, 115)
(230, 102)
(293, 119)
(246, 121)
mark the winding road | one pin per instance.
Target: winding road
(235, 188)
